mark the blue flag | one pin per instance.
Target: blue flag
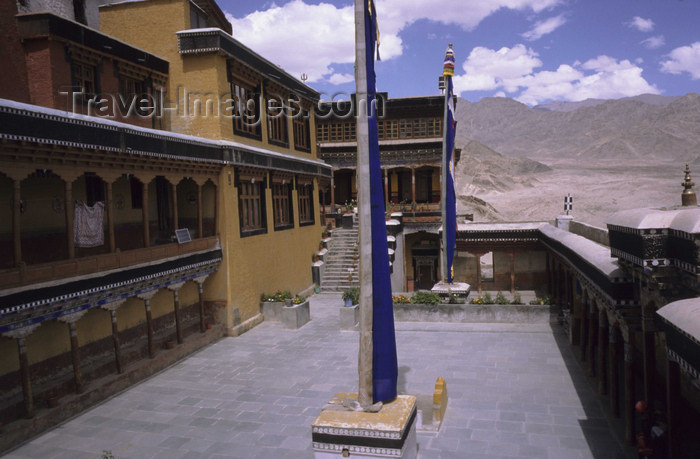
(450, 223)
(384, 362)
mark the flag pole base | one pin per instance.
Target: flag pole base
(391, 432)
(457, 288)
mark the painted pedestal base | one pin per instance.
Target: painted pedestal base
(389, 433)
(349, 316)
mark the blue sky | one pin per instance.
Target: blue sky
(534, 51)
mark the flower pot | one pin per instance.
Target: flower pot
(288, 302)
(52, 401)
(208, 326)
(317, 289)
(348, 303)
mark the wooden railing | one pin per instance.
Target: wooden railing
(32, 274)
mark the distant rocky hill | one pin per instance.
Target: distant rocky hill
(518, 162)
(621, 129)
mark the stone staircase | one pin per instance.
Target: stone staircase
(338, 260)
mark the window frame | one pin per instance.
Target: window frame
(305, 200)
(251, 197)
(282, 210)
(277, 124)
(243, 94)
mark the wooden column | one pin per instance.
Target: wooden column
(110, 217)
(174, 200)
(511, 255)
(386, 188)
(112, 309)
(70, 215)
(478, 271)
(216, 210)
(146, 297)
(200, 226)
(26, 380)
(16, 222)
(592, 338)
(333, 191)
(673, 390)
(71, 320)
(549, 275)
(602, 352)
(413, 185)
(629, 394)
(20, 335)
(200, 281)
(614, 385)
(649, 365)
(583, 328)
(176, 307)
(144, 213)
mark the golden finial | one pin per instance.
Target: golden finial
(688, 197)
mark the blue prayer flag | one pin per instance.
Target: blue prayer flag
(384, 361)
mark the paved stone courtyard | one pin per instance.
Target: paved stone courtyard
(514, 391)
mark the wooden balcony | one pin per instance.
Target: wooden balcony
(33, 274)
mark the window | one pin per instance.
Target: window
(336, 132)
(349, 131)
(94, 189)
(130, 89)
(487, 267)
(419, 127)
(434, 127)
(322, 132)
(198, 18)
(306, 209)
(79, 11)
(302, 142)
(277, 123)
(380, 130)
(83, 76)
(246, 111)
(251, 207)
(282, 205)
(405, 129)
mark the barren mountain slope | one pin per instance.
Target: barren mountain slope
(612, 156)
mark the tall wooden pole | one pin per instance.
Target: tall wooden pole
(365, 396)
(443, 188)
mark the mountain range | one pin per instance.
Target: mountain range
(511, 153)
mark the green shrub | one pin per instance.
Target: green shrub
(425, 298)
(516, 298)
(501, 298)
(456, 299)
(541, 301)
(487, 298)
(353, 293)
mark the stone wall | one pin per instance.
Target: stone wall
(595, 234)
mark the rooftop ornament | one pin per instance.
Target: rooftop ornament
(688, 197)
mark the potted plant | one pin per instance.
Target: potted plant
(317, 289)
(349, 277)
(351, 296)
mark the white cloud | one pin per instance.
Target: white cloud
(300, 38)
(684, 59)
(512, 71)
(305, 38)
(486, 69)
(641, 24)
(654, 42)
(340, 78)
(541, 28)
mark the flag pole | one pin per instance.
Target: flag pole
(365, 395)
(443, 181)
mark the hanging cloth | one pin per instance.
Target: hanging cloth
(87, 225)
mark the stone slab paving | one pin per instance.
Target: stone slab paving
(515, 391)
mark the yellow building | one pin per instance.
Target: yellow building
(120, 240)
(219, 89)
